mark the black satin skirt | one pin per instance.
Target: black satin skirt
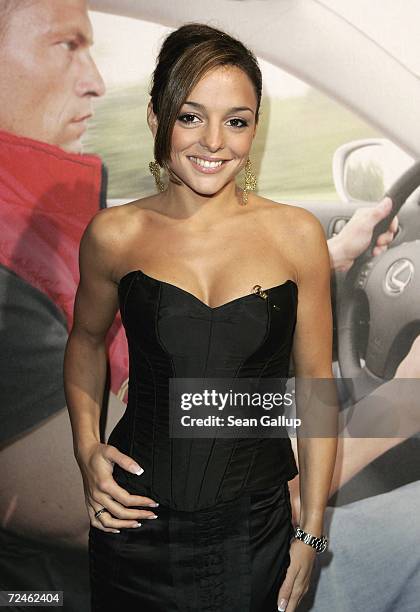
(232, 557)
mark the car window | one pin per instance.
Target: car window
(300, 127)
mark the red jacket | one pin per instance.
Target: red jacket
(47, 198)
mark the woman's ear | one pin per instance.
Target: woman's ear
(151, 119)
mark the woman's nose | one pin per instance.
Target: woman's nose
(212, 138)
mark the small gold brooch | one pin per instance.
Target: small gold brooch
(258, 290)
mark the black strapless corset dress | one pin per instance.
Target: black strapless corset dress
(221, 539)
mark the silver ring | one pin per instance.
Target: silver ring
(98, 514)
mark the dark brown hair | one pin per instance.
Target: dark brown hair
(186, 55)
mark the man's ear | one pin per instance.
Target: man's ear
(151, 119)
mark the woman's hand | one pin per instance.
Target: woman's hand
(101, 490)
(298, 575)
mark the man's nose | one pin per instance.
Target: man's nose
(90, 82)
(212, 137)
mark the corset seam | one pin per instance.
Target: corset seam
(258, 446)
(264, 340)
(256, 452)
(269, 360)
(155, 316)
(266, 364)
(213, 441)
(134, 414)
(127, 294)
(268, 330)
(147, 360)
(238, 369)
(209, 343)
(169, 357)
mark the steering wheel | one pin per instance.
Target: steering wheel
(388, 286)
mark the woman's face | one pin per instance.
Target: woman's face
(214, 131)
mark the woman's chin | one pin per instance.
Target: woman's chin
(209, 192)
(207, 189)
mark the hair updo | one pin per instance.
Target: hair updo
(186, 55)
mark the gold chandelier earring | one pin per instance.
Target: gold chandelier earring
(250, 182)
(155, 170)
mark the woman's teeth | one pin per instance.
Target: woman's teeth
(206, 164)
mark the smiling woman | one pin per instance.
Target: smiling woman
(223, 530)
(210, 122)
(197, 58)
(299, 126)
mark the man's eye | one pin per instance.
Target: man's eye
(70, 45)
(238, 123)
(188, 118)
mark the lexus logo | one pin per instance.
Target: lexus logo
(398, 276)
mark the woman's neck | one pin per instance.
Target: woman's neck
(182, 202)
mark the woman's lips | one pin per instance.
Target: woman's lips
(207, 166)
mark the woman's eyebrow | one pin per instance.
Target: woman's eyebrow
(234, 109)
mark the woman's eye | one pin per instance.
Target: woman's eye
(188, 118)
(238, 123)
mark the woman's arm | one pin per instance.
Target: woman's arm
(312, 356)
(85, 357)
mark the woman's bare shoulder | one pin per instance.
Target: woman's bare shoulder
(290, 218)
(296, 232)
(110, 234)
(119, 223)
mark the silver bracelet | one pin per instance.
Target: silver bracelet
(320, 544)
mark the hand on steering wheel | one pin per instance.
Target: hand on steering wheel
(356, 235)
(381, 292)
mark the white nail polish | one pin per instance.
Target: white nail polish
(282, 605)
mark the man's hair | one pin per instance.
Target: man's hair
(7, 7)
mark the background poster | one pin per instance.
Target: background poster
(335, 72)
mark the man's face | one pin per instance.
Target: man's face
(47, 75)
